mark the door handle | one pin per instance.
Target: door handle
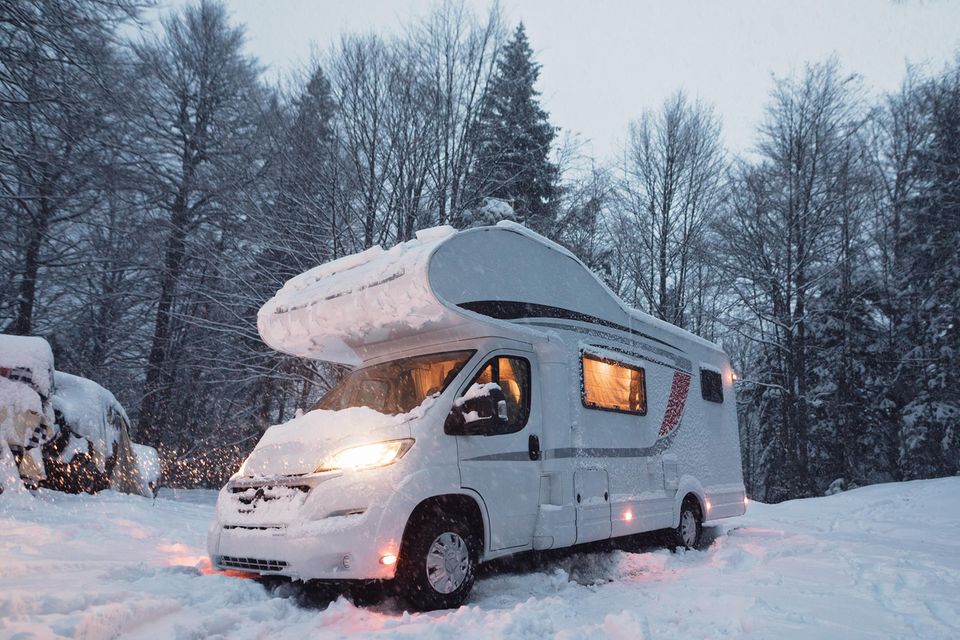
(533, 447)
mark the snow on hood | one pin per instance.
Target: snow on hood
(326, 312)
(33, 356)
(300, 445)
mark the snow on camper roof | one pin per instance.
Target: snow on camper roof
(441, 279)
(31, 355)
(367, 297)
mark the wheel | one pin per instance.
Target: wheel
(437, 561)
(690, 530)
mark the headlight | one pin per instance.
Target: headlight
(367, 456)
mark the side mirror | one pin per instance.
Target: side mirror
(481, 411)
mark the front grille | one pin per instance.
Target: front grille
(265, 493)
(251, 564)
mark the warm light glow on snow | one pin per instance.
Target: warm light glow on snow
(180, 555)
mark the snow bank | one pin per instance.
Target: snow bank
(148, 466)
(330, 310)
(86, 407)
(16, 399)
(876, 562)
(31, 354)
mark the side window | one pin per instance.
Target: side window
(513, 376)
(612, 385)
(711, 385)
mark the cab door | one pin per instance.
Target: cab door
(502, 464)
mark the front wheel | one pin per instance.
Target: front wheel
(436, 565)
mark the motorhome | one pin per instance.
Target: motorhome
(503, 399)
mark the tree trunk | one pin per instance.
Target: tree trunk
(155, 396)
(26, 295)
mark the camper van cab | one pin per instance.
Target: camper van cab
(503, 400)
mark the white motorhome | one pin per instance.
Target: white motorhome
(503, 400)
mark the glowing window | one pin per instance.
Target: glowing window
(612, 385)
(397, 386)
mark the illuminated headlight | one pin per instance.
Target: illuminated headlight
(367, 456)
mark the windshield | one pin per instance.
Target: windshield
(396, 386)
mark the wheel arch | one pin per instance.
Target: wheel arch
(689, 489)
(462, 506)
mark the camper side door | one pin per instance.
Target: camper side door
(500, 461)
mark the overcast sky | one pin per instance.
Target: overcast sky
(605, 62)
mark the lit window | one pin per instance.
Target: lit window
(612, 385)
(397, 386)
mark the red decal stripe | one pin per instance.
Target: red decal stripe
(678, 398)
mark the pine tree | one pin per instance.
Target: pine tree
(930, 282)
(514, 138)
(305, 221)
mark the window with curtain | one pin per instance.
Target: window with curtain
(612, 385)
(397, 386)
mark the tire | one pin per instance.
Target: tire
(689, 532)
(437, 561)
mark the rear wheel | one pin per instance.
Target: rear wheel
(436, 564)
(689, 531)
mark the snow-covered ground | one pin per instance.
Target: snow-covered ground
(878, 562)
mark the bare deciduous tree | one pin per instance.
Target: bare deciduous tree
(198, 96)
(671, 186)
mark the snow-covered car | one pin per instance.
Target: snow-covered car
(26, 415)
(93, 450)
(504, 400)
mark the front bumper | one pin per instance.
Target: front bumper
(350, 552)
(295, 534)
